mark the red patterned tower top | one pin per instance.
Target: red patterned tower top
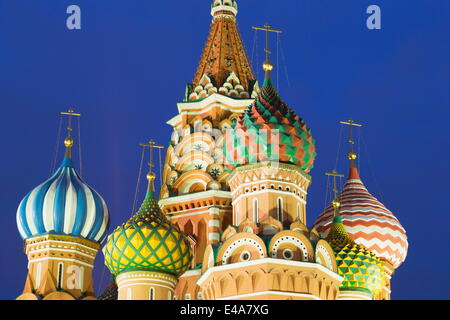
(367, 221)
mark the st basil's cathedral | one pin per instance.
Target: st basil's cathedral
(230, 219)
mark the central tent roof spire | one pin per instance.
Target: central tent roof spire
(224, 67)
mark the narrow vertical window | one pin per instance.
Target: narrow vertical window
(129, 294)
(152, 293)
(81, 279)
(169, 295)
(298, 211)
(255, 211)
(60, 277)
(280, 209)
(38, 275)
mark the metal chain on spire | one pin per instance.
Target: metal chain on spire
(359, 149)
(372, 173)
(160, 168)
(138, 183)
(278, 63)
(258, 71)
(56, 149)
(326, 193)
(254, 48)
(339, 146)
(79, 147)
(283, 59)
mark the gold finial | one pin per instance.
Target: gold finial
(267, 65)
(68, 142)
(151, 175)
(352, 156)
(336, 204)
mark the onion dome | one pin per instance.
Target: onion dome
(270, 131)
(64, 205)
(368, 222)
(359, 267)
(148, 241)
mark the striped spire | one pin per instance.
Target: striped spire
(367, 221)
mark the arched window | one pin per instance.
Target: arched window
(280, 209)
(60, 278)
(255, 210)
(38, 275)
(152, 294)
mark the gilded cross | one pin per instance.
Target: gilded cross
(351, 124)
(267, 29)
(71, 114)
(335, 175)
(151, 145)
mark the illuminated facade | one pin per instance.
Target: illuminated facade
(231, 218)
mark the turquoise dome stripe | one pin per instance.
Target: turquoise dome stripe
(22, 214)
(60, 203)
(81, 205)
(39, 203)
(98, 218)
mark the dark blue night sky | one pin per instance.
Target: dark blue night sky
(128, 67)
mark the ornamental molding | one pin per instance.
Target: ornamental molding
(204, 195)
(131, 276)
(269, 165)
(259, 262)
(214, 100)
(62, 240)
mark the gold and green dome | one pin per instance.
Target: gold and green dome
(360, 268)
(148, 241)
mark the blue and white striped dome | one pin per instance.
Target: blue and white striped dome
(63, 205)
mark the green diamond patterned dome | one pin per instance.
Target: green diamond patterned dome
(148, 241)
(359, 267)
(269, 131)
